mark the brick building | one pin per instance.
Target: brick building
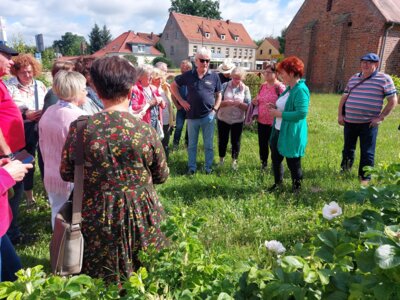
(330, 36)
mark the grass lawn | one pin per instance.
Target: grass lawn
(240, 214)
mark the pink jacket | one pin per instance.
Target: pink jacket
(138, 100)
(6, 182)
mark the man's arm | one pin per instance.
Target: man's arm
(218, 99)
(4, 148)
(340, 109)
(177, 95)
(390, 105)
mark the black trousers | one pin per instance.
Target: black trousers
(294, 163)
(264, 133)
(235, 131)
(31, 141)
(165, 141)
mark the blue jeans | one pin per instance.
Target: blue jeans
(180, 121)
(207, 127)
(367, 135)
(13, 232)
(9, 260)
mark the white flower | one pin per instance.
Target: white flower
(331, 210)
(275, 246)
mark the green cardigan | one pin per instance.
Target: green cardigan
(293, 133)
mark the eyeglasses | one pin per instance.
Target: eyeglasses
(202, 60)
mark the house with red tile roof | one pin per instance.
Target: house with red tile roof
(140, 45)
(183, 35)
(267, 51)
(330, 37)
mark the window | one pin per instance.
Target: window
(222, 36)
(140, 48)
(261, 51)
(194, 49)
(227, 52)
(166, 36)
(234, 52)
(177, 35)
(212, 49)
(329, 5)
(270, 51)
(172, 50)
(236, 38)
(245, 52)
(207, 35)
(240, 53)
(219, 50)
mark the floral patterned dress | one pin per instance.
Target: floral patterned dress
(121, 213)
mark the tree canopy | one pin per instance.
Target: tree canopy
(201, 8)
(282, 40)
(98, 38)
(70, 44)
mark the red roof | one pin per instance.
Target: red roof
(154, 38)
(122, 44)
(273, 42)
(193, 26)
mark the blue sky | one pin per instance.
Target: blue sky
(52, 18)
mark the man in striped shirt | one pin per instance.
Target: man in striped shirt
(363, 101)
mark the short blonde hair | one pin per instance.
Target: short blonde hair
(158, 73)
(239, 71)
(144, 70)
(68, 84)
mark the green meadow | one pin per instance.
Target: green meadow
(240, 214)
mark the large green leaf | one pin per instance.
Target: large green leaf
(329, 237)
(387, 256)
(344, 249)
(291, 263)
(365, 260)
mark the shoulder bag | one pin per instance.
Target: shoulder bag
(66, 246)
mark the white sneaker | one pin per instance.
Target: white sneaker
(234, 165)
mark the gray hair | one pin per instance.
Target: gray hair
(187, 63)
(144, 70)
(239, 71)
(68, 84)
(162, 66)
(203, 51)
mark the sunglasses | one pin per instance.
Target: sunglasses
(202, 60)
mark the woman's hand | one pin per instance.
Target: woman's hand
(33, 115)
(273, 111)
(17, 169)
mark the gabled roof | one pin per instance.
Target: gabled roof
(122, 44)
(273, 42)
(154, 38)
(192, 28)
(390, 9)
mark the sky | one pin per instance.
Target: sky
(53, 18)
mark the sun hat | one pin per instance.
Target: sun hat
(226, 67)
(8, 50)
(370, 57)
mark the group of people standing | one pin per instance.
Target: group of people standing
(128, 125)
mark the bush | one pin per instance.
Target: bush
(396, 80)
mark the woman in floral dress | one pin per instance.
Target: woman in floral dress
(121, 213)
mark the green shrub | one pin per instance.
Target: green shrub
(169, 63)
(396, 80)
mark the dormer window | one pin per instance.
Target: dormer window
(207, 35)
(222, 36)
(236, 38)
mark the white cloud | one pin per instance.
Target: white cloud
(53, 18)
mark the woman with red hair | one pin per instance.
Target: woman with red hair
(289, 133)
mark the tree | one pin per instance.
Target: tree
(201, 8)
(17, 42)
(258, 42)
(70, 44)
(282, 40)
(160, 48)
(98, 38)
(163, 59)
(132, 58)
(48, 56)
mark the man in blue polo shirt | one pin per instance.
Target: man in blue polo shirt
(203, 100)
(363, 102)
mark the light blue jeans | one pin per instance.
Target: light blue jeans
(207, 127)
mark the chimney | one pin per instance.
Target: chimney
(151, 35)
(228, 21)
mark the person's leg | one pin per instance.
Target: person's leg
(350, 141)
(236, 135)
(193, 126)
(31, 141)
(180, 121)
(207, 128)
(367, 148)
(223, 138)
(294, 165)
(40, 163)
(263, 144)
(13, 231)
(277, 159)
(165, 140)
(10, 260)
(56, 202)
